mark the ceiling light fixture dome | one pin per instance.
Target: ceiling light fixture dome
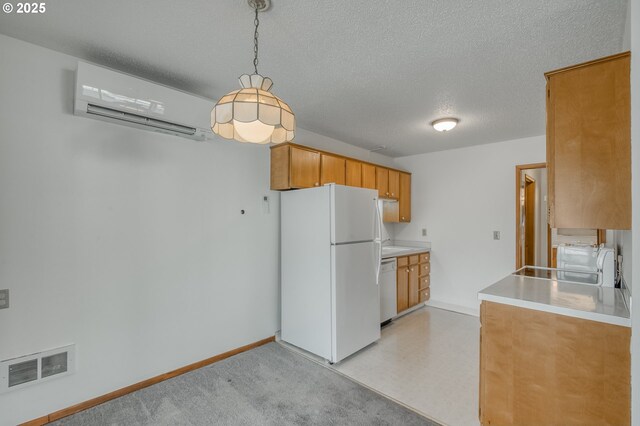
(445, 124)
(254, 114)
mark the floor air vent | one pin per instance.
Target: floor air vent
(36, 368)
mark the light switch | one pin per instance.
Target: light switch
(496, 235)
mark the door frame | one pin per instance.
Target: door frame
(519, 169)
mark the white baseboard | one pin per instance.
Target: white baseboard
(454, 308)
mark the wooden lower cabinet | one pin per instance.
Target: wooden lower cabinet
(413, 285)
(538, 368)
(402, 288)
(412, 282)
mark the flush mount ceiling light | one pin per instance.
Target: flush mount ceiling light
(445, 124)
(254, 114)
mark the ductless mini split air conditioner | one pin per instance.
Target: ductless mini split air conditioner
(119, 98)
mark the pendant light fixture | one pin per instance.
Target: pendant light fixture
(254, 114)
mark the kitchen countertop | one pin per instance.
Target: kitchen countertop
(590, 302)
(403, 251)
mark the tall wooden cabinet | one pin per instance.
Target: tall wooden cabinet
(589, 144)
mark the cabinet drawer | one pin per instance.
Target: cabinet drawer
(425, 257)
(413, 260)
(425, 269)
(403, 261)
(425, 295)
(424, 282)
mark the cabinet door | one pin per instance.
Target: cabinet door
(402, 283)
(368, 176)
(353, 173)
(332, 169)
(394, 184)
(305, 168)
(382, 181)
(588, 131)
(405, 197)
(414, 283)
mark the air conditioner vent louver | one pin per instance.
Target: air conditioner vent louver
(115, 97)
(138, 119)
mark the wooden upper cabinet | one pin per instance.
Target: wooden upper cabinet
(405, 197)
(295, 166)
(368, 176)
(332, 169)
(353, 173)
(305, 168)
(382, 182)
(589, 145)
(394, 184)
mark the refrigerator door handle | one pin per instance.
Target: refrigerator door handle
(378, 241)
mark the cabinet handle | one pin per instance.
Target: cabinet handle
(392, 194)
(411, 269)
(317, 184)
(387, 193)
(402, 217)
(407, 270)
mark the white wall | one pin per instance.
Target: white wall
(307, 138)
(128, 243)
(635, 153)
(461, 196)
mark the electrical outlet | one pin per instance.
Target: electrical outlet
(4, 299)
(424, 232)
(496, 235)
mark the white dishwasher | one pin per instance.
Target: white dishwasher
(388, 301)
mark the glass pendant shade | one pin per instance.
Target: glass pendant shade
(253, 114)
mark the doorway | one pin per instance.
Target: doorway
(532, 228)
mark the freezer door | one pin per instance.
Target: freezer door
(356, 301)
(353, 214)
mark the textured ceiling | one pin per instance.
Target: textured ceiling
(368, 73)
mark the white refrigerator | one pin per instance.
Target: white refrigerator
(330, 263)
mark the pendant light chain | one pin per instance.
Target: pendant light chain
(256, 22)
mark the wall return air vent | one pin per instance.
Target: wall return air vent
(26, 370)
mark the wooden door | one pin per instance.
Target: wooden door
(405, 197)
(382, 181)
(368, 176)
(588, 145)
(414, 284)
(332, 169)
(353, 173)
(529, 221)
(402, 283)
(394, 184)
(305, 168)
